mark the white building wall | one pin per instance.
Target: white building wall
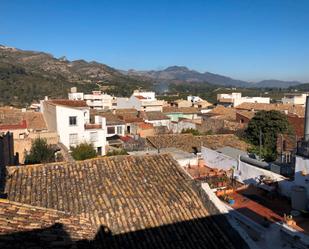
(64, 129)
(179, 126)
(194, 99)
(228, 96)
(295, 100)
(76, 96)
(264, 100)
(147, 95)
(157, 123)
(156, 108)
(243, 172)
(122, 127)
(214, 159)
(301, 176)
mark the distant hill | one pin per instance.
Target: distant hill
(26, 76)
(277, 83)
(301, 87)
(181, 74)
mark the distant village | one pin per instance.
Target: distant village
(143, 143)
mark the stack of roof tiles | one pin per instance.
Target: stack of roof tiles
(136, 202)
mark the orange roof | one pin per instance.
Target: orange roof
(68, 102)
(139, 97)
(145, 126)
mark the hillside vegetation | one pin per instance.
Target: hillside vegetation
(27, 76)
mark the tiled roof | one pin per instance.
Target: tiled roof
(69, 103)
(227, 113)
(298, 124)
(125, 111)
(24, 226)
(10, 116)
(247, 114)
(153, 116)
(186, 110)
(143, 201)
(33, 120)
(187, 142)
(290, 108)
(111, 119)
(21, 125)
(139, 97)
(145, 126)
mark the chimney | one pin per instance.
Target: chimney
(306, 131)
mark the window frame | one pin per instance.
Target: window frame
(70, 119)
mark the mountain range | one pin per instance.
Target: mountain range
(181, 74)
(27, 76)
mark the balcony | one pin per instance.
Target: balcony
(93, 126)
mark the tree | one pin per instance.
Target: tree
(264, 127)
(83, 151)
(40, 152)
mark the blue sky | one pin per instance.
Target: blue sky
(244, 39)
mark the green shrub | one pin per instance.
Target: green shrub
(40, 152)
(83, 151)
(194, 132)
(117, 152)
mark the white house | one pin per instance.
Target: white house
(235, 99)
(157, 119)
(114, 125)
(194, 99)
(71, 120)
(95, 100)
(295, 99)
(141, 101)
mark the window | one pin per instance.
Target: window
(73, 120)
(93, 136)
(111, 130)
(119, 130)
(73, 139)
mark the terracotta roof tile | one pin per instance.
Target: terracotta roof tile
(187, 142)
(153, 116)
(247, 114)
(35, 120)
(227, 113)
(145, 126)
(290, 108)
(143, 201)
(186, 110)
(139, 97)
(111, 119)
(69, 103)
(22, 226)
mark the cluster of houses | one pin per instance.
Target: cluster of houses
(109, 122)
